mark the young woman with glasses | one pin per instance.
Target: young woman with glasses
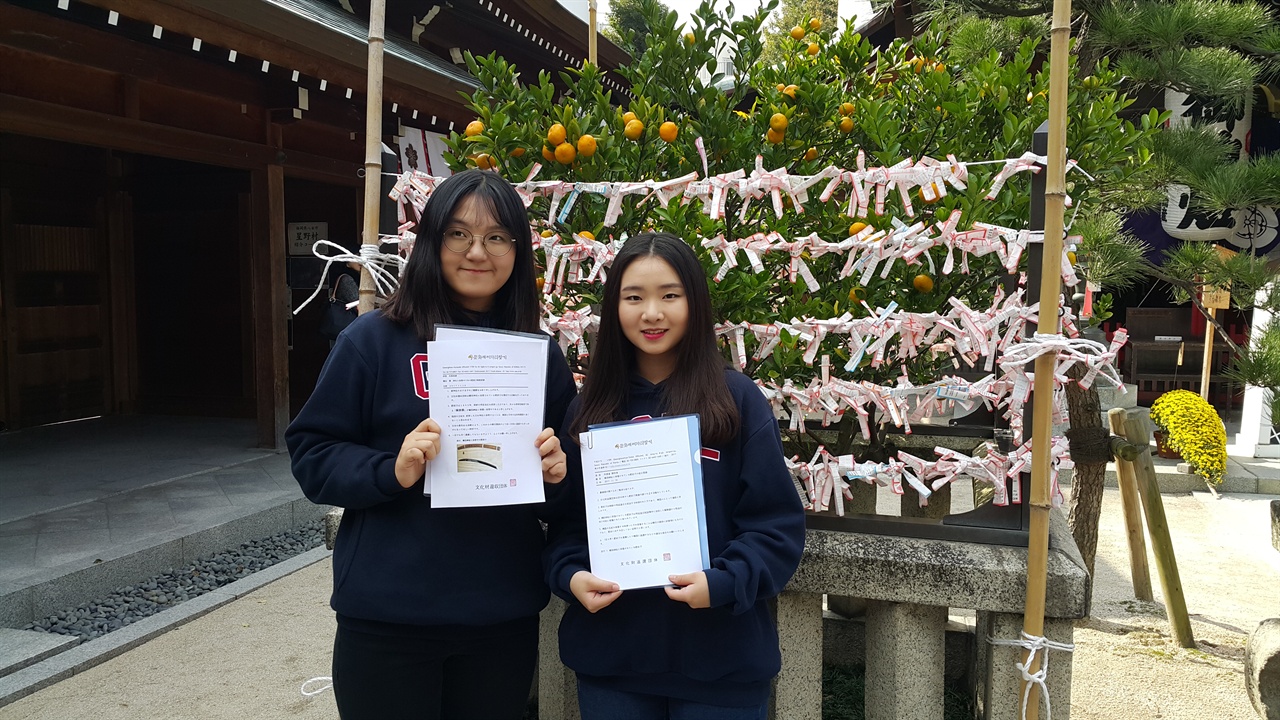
(437, 608)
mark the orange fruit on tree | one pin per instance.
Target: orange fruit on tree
(856, 228)
(565, 153)
(797, 33)
(547, 233)
(811, 154)
(475, 127)
(774, 136)
(540, 282)
(815, 24)
(588, 234)
(1071, 256)
(485, 161)
(922, 283)
(548, 154)
(586, 146)
(778, 122)
(518, 152)
(940, 67)
(633, 130)
(690, 38)
(846, 125)
(790, 91)
(668, 131)
(812, 49)
(857, 293)
(627, 117)
(846, 108)
(556, 135)
(937, 194)
(781, 87)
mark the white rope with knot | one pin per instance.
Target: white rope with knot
(1034, 644)
(370, 257)
(328, 683)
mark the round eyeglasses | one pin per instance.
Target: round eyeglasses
(459, 240)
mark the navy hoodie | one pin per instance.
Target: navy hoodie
(397, 559)
(645, 642)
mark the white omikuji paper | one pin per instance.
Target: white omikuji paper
(488, 390)
(645, 513)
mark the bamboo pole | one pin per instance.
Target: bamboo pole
(1131, 502)
(1175, 603)
(591, 39)
(1050, 290)
(372, 146)
(1207, 365)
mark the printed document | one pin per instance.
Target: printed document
(488, 389)
(646, 518)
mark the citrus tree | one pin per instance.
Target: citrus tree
(833, 101)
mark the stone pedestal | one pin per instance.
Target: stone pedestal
(557, 684)
(903, 640)
(1262, 669)
(999, 680)
(797, 694)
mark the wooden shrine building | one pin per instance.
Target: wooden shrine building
(155, 153)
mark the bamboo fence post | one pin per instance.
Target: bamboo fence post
(1207, 363)
(591, 38)
(1131, 501)
(372, 147)
(1050, 291)
(1135, 429)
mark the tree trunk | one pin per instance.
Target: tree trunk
(1084, 410)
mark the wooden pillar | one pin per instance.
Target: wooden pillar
(271, 306)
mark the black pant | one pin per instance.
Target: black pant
(454, 673)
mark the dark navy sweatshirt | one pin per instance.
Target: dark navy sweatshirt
(645, 642)
(396, 558)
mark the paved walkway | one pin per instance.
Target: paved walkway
(89, 506)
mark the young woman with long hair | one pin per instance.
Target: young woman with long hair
(437, 608)
(706, 647)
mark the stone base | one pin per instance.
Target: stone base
(1275, 524)
(1262, 669)
(332, 520)
(1000, 683)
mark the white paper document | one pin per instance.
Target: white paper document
(488, 390)
(646, 518)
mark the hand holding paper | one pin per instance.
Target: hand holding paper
(419, 447)
(691, 589)
(594, 594)
(553, 458)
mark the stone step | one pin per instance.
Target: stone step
(22, 648)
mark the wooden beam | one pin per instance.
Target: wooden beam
(35, 118)
(270, 306)
(1137, 432)
(293, 42)
(1131, 503)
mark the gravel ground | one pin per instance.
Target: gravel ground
(132, 603)
(1126, 662)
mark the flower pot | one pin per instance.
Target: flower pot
(1163, 450)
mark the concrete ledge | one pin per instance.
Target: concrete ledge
(39, 594)
(95, 652)
(941, 572)
(20, 648)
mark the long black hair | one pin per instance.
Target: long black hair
(423, 297)
(697, 385)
